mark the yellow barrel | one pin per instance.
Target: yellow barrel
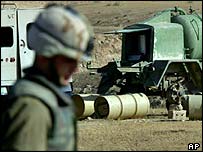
(195, 107)
(142, 105)
(122, 106)
(84, 104)
(128, 106)
(108, 106)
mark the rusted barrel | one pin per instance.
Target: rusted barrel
(84, 104)
(122, 106)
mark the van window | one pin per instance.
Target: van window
(6, 36)
(27, 28)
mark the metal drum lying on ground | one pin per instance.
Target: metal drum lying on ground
(84, 104)
(195, 107)
(122, 106)
(108, 106)
(142, 104)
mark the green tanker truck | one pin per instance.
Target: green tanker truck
(161, 56)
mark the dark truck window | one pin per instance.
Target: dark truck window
(6, 36)
(137, 45)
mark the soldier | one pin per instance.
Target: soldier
(37, 114)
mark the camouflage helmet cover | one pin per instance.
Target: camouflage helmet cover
(60, 30)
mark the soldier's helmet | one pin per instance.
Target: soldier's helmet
(61, 30)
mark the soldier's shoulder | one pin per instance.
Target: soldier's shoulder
(31, 107)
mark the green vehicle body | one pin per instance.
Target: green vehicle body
(160, 56)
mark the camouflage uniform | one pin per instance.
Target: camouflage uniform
(31, 102)
(38, 115)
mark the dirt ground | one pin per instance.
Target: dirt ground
(138, 135)
(152, 133)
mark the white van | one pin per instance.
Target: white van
(15, 53)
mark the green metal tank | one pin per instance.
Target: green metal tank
(192, 26)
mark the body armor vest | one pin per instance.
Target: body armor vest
(62, 135)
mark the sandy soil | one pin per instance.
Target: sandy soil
(152, 133)
(138, 135)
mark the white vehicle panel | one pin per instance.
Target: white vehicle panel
(9, 53)
(25, 17)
